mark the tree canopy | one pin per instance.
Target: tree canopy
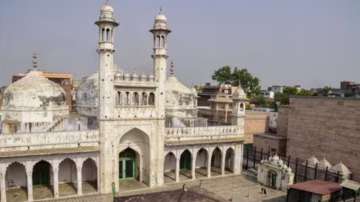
(236, 76)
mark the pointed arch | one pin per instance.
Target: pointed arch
(229, 160)
(139, 141)
(216, 159)
(67, 177)
(201, 163)
(16, 182)
(89, 175)
(42, 178)
(169, 167)
(186, 163)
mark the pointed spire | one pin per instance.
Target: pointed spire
(172, 69)
(161, 10)
(35, 60)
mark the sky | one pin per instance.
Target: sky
(312, 43)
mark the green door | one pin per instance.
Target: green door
(127, 164)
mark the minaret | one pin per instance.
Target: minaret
(238, 108)
(160, 32)
(107, 25)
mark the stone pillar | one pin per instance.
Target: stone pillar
(29, 181)
(223, 156)
(3, 184)
(238, 156)
(193, 166)
(177, 169)
(56, 181)
(209, 164)
(79, 180)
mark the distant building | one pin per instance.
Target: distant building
(350, 88)
(268, 94)
(215, 104)
(276, 89)
(317, 128)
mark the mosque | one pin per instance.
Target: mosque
(126, 126)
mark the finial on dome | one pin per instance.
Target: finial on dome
(172, 69)
(35, 60)
(161, 10)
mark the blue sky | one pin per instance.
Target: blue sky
(308, 42)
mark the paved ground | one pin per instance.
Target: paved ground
(45, 192)
(233, 188)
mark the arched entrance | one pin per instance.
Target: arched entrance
(201, 163)
(16, 183)
(134, 157)
(89, 176)
(185, 164)
(229, 160)
(67, 178)
(216, 162)
(128, 164)
(272, 175)
(170, 167)
(42, 173)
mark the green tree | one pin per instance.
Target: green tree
(236, 76)
(223, 75)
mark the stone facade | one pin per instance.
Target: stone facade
(118, 131)
(325, 128)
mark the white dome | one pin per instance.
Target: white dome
(180, 100)
(323, 164)
(312, 161)
(33, 92)
(107, 8)
(341, 168)
(161, 17)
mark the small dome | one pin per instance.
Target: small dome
(161, 17)
(341, 168)
(239, 93)
(33, 92)
(312, 161)
(107, 8)
(323, 164)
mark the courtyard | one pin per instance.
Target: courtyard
(236, 188)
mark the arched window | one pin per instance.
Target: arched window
(152, 99)
(136, 100)
(103, 34)
(144, 99)
(107, 34)
(242, 106)
(163, 41)
(127, 98)
(158, 44)
(119, 98)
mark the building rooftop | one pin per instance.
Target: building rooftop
(317, 187)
